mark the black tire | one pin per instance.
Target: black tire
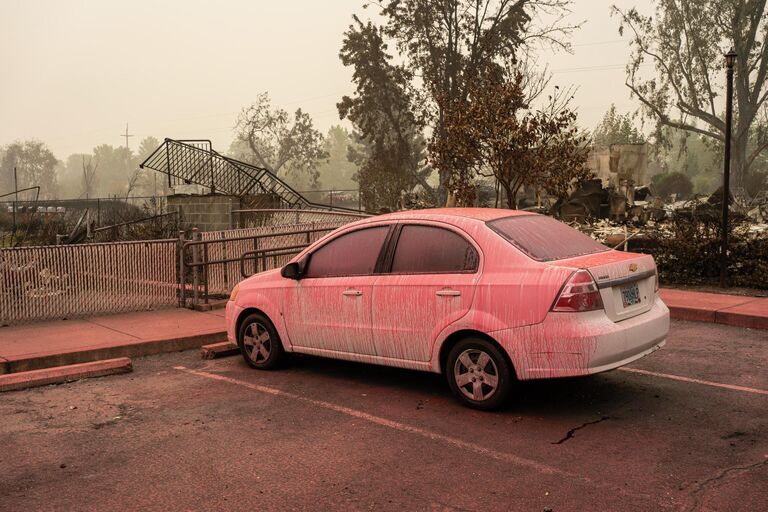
(262, 353)
(479, 382)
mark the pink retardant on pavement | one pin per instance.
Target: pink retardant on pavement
(735, 310)
(61, 342)
(59, 374)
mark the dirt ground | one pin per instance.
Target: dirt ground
(190, 435)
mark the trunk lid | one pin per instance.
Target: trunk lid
(626, 280)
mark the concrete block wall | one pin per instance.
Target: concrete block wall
(206, 212)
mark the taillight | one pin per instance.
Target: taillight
(580, 293)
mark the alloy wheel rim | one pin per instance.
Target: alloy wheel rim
(476, 374)
(257, 342)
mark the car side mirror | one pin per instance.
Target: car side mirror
(291, 271)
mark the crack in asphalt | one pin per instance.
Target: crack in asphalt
(696, 493)
(572, 432)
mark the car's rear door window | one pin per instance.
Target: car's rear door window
(544, 238)
(351, 254)
(432, 250)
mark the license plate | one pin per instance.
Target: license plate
(630, 295)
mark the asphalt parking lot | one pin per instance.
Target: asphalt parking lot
(180, 433)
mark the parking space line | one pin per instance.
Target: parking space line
(395, 425)
(697, 381)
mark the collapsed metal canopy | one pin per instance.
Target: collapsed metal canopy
(196, 162)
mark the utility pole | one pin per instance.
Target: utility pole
(15, 202)
(730, 60)
(126, 135)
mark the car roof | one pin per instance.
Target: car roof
(448, 214)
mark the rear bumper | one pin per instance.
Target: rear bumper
(567, 344)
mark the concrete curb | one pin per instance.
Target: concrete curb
(134, 349)
(738, 319)
(222, 349)
(733, 310)
(60, 374)
(691, 314)
(723, 317)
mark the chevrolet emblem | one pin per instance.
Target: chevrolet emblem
(633, 267)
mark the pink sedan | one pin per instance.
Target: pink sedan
(485, 296)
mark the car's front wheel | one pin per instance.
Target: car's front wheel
(259, 342)
(479, 374)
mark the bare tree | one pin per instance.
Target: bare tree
(685, 41)
(279, 141)
(89, 176)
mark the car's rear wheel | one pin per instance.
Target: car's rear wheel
(479, 374)
(259, 342)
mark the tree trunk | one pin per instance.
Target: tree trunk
(739, 160)
(512, 196)
(442, 188)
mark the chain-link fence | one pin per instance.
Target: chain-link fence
(67, 281)
(40, 283)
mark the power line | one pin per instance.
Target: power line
(605, 67)
(600, 43)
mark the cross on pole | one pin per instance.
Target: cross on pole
(126, 135)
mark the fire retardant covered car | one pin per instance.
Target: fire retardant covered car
(487, 297)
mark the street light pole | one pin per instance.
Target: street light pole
(730, 60)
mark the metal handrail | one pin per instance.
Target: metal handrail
(198, 252)
(263, 254)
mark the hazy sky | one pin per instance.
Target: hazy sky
(75, 71)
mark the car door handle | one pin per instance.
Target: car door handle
(352, 293)
(448, 293)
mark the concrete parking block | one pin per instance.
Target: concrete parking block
(60, 374)
(216, 350)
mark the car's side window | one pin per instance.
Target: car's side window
(352, 254)
(428, 249)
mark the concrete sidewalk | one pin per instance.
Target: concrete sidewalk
(63, 342)
(735, 310)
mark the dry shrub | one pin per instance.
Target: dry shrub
(688, 252)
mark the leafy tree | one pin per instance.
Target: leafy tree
(756, 182)
(616, 128)
(146, 147)
(143, 181)
(116, 169)
(35, 166)
(382, 112)
(278, 141)
(380, 173)
(684, 42)
(449, 44)
(670, 183)
(497, 134)
(337, 172)
(693, 155)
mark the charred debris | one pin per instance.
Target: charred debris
(630, 217)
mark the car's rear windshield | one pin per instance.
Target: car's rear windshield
(544, 238)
